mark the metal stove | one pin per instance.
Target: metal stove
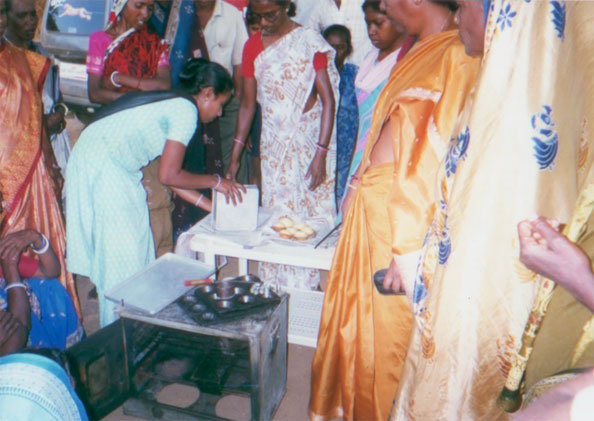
(231, 353)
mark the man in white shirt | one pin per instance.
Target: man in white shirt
(348, 13)
(225, 35)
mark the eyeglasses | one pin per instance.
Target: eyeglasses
(269, 17)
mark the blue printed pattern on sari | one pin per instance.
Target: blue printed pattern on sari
(347, 122)
(54, 322)
(445, 245)
(545, 138)
(558, 17)
(420, 289)
(457, 151)
(506, 14)
(180, 47)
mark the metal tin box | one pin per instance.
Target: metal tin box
(240, 217)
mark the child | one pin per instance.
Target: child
(391, 43)
(347, 117)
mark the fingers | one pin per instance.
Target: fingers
(232, 192)
(539, 231)
(308, 174)
(543, 228)
(392, 279)
(388, 279)
(525, 234)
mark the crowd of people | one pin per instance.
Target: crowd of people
(433, 130)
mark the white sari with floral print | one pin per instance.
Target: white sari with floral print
(285, 75)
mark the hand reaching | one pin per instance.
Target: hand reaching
(232, 190)
(546, 251)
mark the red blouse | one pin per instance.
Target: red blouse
(27, 266)
(254, 46)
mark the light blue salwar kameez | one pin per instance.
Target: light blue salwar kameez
(108, 230)
(33, 387)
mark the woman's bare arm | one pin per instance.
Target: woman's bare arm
(161, 82)
(324, 88)
(98, 94)
(193, 197)
(317, 169)
(247, 109)
(172, 174)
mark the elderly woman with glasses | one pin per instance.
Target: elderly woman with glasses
(290, 70)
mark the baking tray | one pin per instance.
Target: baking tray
(159, 284)
(228, 299)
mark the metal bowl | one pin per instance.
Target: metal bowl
(226, 291)
(246, 299)
(205, 289)
(189, 299)
(208, 316)
(248, 278)
(225, 304)
(198, 308)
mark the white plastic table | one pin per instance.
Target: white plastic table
(298, 255)
(305, 307)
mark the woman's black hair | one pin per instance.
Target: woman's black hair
(198, 74)
(373, 5)
(291, 7)
(450, 4)
(340, 30)
(250, 17)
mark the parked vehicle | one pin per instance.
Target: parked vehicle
(65, 30)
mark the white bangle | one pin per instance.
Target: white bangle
(15, 285)
(218, 182)
(44, 246)
(199, 200)
(112, 77)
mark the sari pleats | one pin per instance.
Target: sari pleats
(360, 327)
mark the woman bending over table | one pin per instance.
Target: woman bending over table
(108, 231)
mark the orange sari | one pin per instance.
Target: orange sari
(363, 335)
(26, 186)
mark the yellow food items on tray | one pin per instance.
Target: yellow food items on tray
(289, 229)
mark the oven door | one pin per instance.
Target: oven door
(99, 365)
